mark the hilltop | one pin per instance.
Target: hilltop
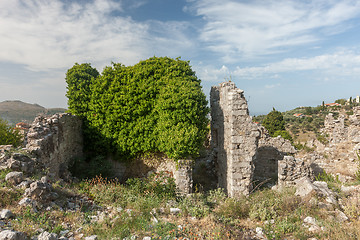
(18, 111)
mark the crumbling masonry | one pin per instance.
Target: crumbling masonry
(244, 153)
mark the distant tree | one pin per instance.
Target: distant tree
(9, 135)
(308, 110)
(79, 79)
(274, 121)
(341, 101)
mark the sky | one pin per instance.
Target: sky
(282, 53)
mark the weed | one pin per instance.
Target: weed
(332, 182)
(9, 196)
(196, 205)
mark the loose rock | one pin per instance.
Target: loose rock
(6, 214)
(12, 235)
(14, 177)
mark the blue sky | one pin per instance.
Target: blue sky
(282, 53)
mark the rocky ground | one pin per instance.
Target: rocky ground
(36, 205)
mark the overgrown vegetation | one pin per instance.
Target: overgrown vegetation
(156, 105)
(9, 135)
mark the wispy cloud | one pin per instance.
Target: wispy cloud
(211, 74)
(253, 28)
(272, 86)
(340, 63)
(47, 34)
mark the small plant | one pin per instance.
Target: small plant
(332, 181)
(322, 137)
(196, 205)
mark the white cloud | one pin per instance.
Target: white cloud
(270, 86)
(212, 74)
(47, 34)
(253, 28)
(340, 63)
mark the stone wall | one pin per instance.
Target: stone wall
(270, 151)
(56, 141)
(244, 153)
(291, 169)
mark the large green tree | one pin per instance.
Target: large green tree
(156, 105)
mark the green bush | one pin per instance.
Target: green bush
(9, 135)
(156, 105)
(274, 122)
(284, 134)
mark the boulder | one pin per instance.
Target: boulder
(93, 237)
(14, 177)
(6, 214)
(47, 236)
(304, 187)
(12, 235)
(39, 191)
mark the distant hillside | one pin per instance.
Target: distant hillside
(18, 111)
(304, 123)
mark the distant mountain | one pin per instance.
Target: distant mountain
(18, 111)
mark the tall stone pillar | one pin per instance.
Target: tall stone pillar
(234, 138)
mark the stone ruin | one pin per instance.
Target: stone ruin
(339, 154)
(244, 153)
(56, 141)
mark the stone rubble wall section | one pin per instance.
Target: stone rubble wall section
(339, 154)
(56, 141)
(291, 169)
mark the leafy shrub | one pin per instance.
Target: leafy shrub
(333, 182)
(156, 105)
(273, 122)
(322, 137)
(9, 135)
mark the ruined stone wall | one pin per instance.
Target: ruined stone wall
(338, 155)
(56, 141)
(243, 151)
(234, 138)
(291, 169)
(270, 151)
